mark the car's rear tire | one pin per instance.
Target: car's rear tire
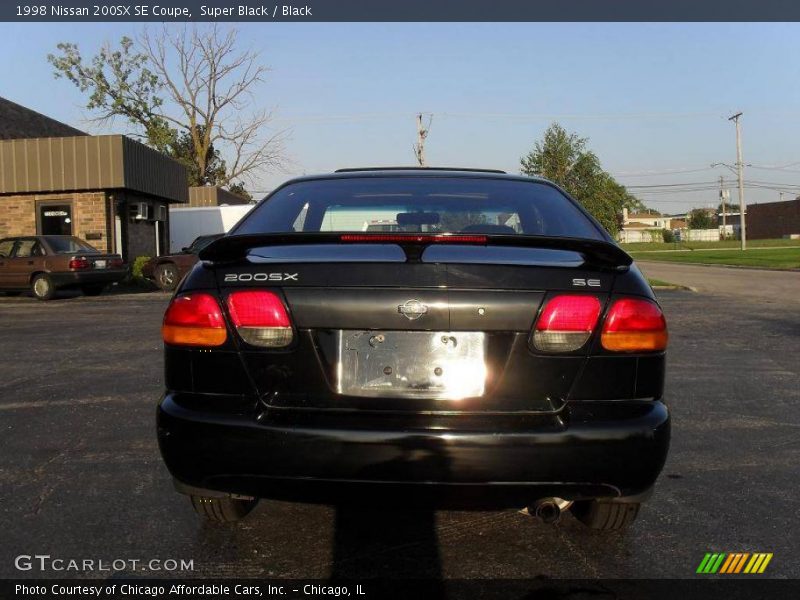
(222, 510)
(42, 287)
(93, 290)
(166, 276)
(604, 515)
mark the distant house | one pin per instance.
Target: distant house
(642, 227)
(677, 222)
(654, 221)
(108, 189)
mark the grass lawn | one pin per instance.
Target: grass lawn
(639, 246)
(775, 258)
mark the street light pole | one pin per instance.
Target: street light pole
(722, 192)
(740, 172)
(422, 134)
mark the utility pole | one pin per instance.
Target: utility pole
(422, 133)
(740, 172)
(722, 193)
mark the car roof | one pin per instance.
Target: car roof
(15, 238)
(351, 173)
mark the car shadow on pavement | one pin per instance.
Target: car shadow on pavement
(394, 538)
(385, 544)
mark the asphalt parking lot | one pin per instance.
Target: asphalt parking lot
(81, 477)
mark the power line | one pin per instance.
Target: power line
(669, 172)
(667, 185)
(778, 167)
(488, 115)
(671, 186)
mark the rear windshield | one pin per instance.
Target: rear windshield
(420, 204)
(69, 245)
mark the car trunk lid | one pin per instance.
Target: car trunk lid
(412, 327)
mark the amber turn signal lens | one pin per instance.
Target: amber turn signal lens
(634, 325)
(194, 320)
(181, 335)
(645, 341)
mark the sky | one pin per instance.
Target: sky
(653, 99)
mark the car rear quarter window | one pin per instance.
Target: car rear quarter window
(69, 245)
(25, 248)
(421, 204)
(6, 246)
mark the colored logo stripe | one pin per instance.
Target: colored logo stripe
(734, 562)
(758, 563)
(711, 562)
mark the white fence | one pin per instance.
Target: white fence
(700, 235)
(628, 236)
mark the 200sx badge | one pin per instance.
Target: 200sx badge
(245, 277)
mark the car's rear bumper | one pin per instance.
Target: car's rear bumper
(602, 449)
(88, 277)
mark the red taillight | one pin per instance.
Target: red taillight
(260, 318)
(634, 325)
(116, 263)
(79, 262)
(194, 320)
(413, 238)
(566, 323)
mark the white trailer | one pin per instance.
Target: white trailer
(185, 224)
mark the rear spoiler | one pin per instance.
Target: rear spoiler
(595, 252)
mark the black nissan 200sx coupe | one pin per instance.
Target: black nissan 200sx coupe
(439, 337)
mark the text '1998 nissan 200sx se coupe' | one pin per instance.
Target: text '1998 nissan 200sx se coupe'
(434, 337)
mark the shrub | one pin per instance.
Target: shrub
(669, 237)
(135, 277)
(136, 267)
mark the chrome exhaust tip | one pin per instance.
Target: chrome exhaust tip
(548, 510)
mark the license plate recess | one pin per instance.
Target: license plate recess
(415, 364)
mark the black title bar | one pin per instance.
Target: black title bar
(398, 10)
(732, 588)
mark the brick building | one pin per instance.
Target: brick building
(773, 220)
(109, 190)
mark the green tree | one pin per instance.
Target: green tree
(238, 189)
(188, 94)
(119, 84)
(699, 219)
(564, 158)
(183, 150)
